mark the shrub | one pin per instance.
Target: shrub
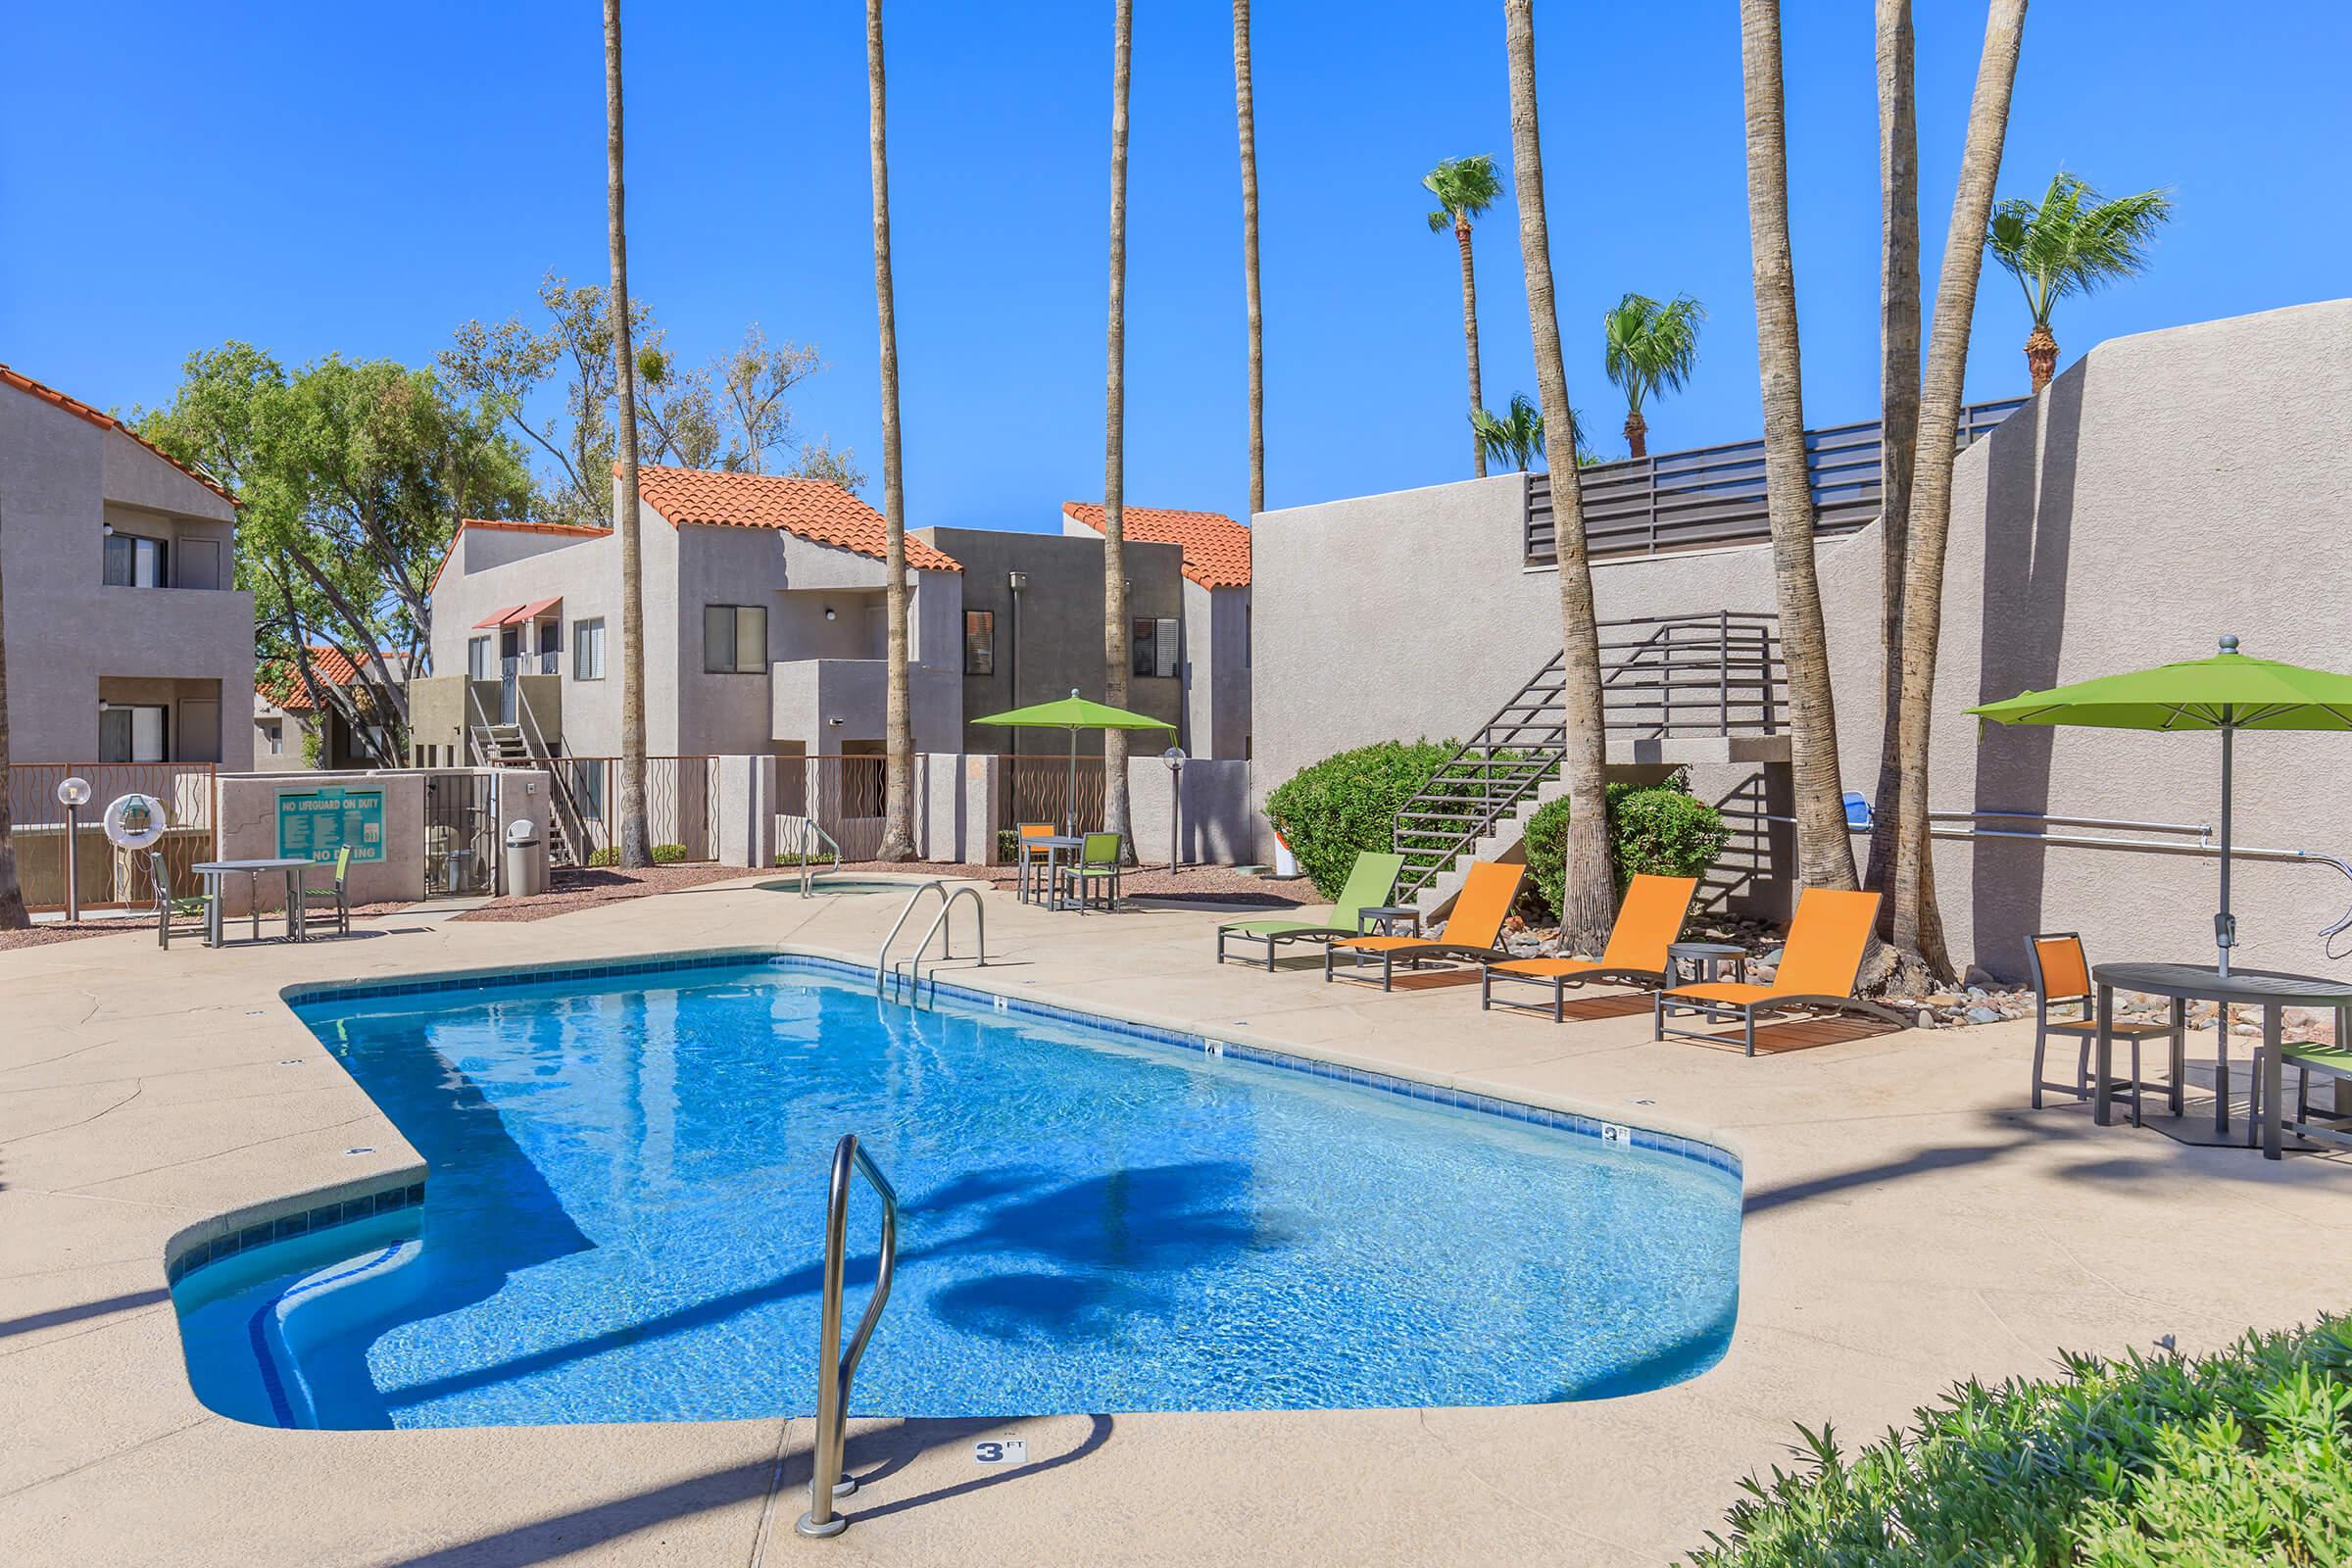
(1662, 829)
(1008, 846)
(664, 854)
(2242, 1457)
(1331, 811)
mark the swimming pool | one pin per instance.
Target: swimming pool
(625, 1213)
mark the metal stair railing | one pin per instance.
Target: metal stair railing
(808, 831)
(947, 945)
(836, 1367)
(1709, 675)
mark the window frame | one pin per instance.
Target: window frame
(163, 731)
(135, 547)
(985, 646)
(734, 640)
(1154, 646)
(588, 631)
(478, 657)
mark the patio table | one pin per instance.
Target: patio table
(1056, 844)
(2271, 991)
(215, 872)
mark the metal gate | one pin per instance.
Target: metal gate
(461, 835)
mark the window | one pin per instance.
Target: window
(588, 649)
(135, 563)
(277, 735)
(478, 657)
(734, 639)
(979, 642)
(132, 734)
(1153, 646)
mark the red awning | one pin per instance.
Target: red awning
(531, 611)
(496, 618)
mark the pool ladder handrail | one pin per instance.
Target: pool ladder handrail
(884, 968)
(808, 827)
(836, 1367)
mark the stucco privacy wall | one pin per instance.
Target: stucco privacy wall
(246, 810)
(2167, 488)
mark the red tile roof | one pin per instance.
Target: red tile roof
(571, 530)
(284, 689)
(816, 511)
(106, 421)
(1216, 548)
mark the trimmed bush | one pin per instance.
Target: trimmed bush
(664, 854)
(1661, 829)
(2153, 1461)
(604, 856)
(1334, 810)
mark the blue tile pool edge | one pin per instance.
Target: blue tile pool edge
(1579, 1124)
(282, 1220)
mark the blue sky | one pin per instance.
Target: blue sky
(313, 179)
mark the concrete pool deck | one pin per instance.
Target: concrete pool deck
(1909, 1223)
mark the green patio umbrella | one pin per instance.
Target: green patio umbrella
(1073, 714)
(2227, 691)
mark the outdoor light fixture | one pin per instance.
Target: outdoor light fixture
(829, 616)
(1175, 758)
(835, 722)
(73, 794)
(1016, 580)
(107, 528)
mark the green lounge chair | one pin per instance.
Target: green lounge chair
(1369, 882)
(1095, 876)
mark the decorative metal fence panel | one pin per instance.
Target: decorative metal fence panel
(461, 835)
(107, 877)
(681, 803)
(1037, 789)
(845, 796)
(1712, 496)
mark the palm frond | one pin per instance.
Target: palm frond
(1647, 347)
(1465, 186)
(2074, 240)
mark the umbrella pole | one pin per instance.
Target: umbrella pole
(1069, 799)
(2225, 930)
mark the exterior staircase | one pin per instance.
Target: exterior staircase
(1669, 685)
(511, 746)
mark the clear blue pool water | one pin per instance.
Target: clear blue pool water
(624, 1222)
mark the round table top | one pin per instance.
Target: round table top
(289, 863)
(2202, 982)
(1705, 950)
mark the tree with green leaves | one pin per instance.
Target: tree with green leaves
(1648, 348)
(1465, 187)
(352, 477)
(2072, 241)
(1516, 439)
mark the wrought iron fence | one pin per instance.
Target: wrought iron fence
(845, 796)
(681, 803)
(107, 878)
(1037, 789)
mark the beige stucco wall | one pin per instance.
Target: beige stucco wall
(245, 807)
(2166, 489)
(62, 481)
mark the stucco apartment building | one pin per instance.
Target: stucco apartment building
(284, 715)
(1213, 657)
(127, 641)
(2163, 490)
(765, 627)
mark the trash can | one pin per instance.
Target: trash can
(526, 859)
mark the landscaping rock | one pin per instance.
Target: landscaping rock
(1983, 1015)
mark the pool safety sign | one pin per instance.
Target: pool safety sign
(316, 825)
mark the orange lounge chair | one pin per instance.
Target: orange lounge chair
(1819, 964)
(1470, 932)
(1649, 921)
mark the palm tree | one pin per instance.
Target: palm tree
(1114, 430)
(1915, 932)
(1245, 113)
(1517, 440)
(1465, 187)
(898, 811)
(13, 916)
(1825, 857)
(1589, 895)
(1648, 348)
(636, 832)
(2072, 241)
(1899, 405)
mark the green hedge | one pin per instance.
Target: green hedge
(2238, 1459)
(1662, 829)
(664, 854)
(1347, 804)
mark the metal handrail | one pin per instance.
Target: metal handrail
(809, 826)
(836, 1366)
(946, 941)
(935, 885)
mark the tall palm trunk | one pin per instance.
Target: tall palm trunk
(1825, 857)
(898, 811)
(1915, 919)
(1591, 886)
(1478, 398)
(1637, 434)
(1114, 428)
(2041, 357)
(1245, 113)
(11, 892)
(636, 832)
(1899, 405)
